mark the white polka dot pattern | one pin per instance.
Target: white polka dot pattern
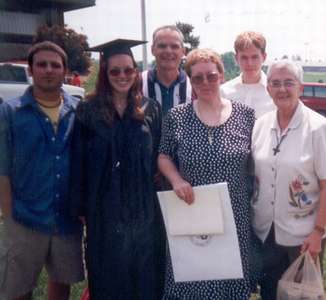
(185, 139)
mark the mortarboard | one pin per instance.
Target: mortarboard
(118, 46)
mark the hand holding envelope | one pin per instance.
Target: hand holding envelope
(203, 217)
(202, 236)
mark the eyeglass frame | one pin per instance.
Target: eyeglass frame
(202, 78)
(287, 83)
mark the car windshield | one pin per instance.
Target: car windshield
(9, 73)
(320, 91)
(308, 91)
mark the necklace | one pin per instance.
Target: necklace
(57, 104)
(120, 104)
(210, 134)
(210, 128)
(279, 141)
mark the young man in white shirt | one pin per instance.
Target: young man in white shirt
(250, 86)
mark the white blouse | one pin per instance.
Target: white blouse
(288, 168)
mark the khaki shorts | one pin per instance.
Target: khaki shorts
(24, 252)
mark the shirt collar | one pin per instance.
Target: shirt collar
(182, 77)
(262, 81)
(296, 119)
(69, 103)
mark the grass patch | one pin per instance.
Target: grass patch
(40, 293)
(314, 77)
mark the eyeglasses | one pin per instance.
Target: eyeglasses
(210, 77)
(128, 71)
(276, 84)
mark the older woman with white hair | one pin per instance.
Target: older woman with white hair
(289, 204)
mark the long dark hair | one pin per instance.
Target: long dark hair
(103, 95)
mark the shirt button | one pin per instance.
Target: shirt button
(273, 169)
(272, 185)
(272, 202)
(47, 120)
(57, 157)
(57, 195)
(58, 176)
(53, 139)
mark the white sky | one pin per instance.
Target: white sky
(290, 26)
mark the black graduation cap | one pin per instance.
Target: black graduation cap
(117, 46)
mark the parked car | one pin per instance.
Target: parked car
(14, 79)
(314, 96)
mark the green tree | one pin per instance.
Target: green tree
(74, 44)
(230, 65)
(191, 41)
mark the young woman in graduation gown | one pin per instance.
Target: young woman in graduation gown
(114, 159)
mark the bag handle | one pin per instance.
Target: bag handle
(290, 273)
(312, 269)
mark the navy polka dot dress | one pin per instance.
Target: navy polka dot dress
(206, 155)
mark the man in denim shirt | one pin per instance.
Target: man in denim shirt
(34, 170)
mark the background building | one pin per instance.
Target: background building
(19, 20)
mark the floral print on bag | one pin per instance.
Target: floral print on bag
(298, 197)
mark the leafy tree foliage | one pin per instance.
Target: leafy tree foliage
(230, 65)
(191, 41)
(74, 44)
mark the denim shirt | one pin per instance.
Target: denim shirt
(37, 161)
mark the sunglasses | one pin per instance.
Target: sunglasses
(210, 77)
(128, 71)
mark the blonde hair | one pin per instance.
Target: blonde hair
(203, 55)
(250, 38)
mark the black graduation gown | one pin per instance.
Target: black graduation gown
(114, 189)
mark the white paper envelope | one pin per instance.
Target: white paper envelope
(206, 257)
(203, 217)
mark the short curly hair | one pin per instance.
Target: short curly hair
(203, 55)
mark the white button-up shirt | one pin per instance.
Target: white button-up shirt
(253, 95)
(288, 167)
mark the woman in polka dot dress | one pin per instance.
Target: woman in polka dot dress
(210, 141)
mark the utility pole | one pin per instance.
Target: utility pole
(143, 31)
